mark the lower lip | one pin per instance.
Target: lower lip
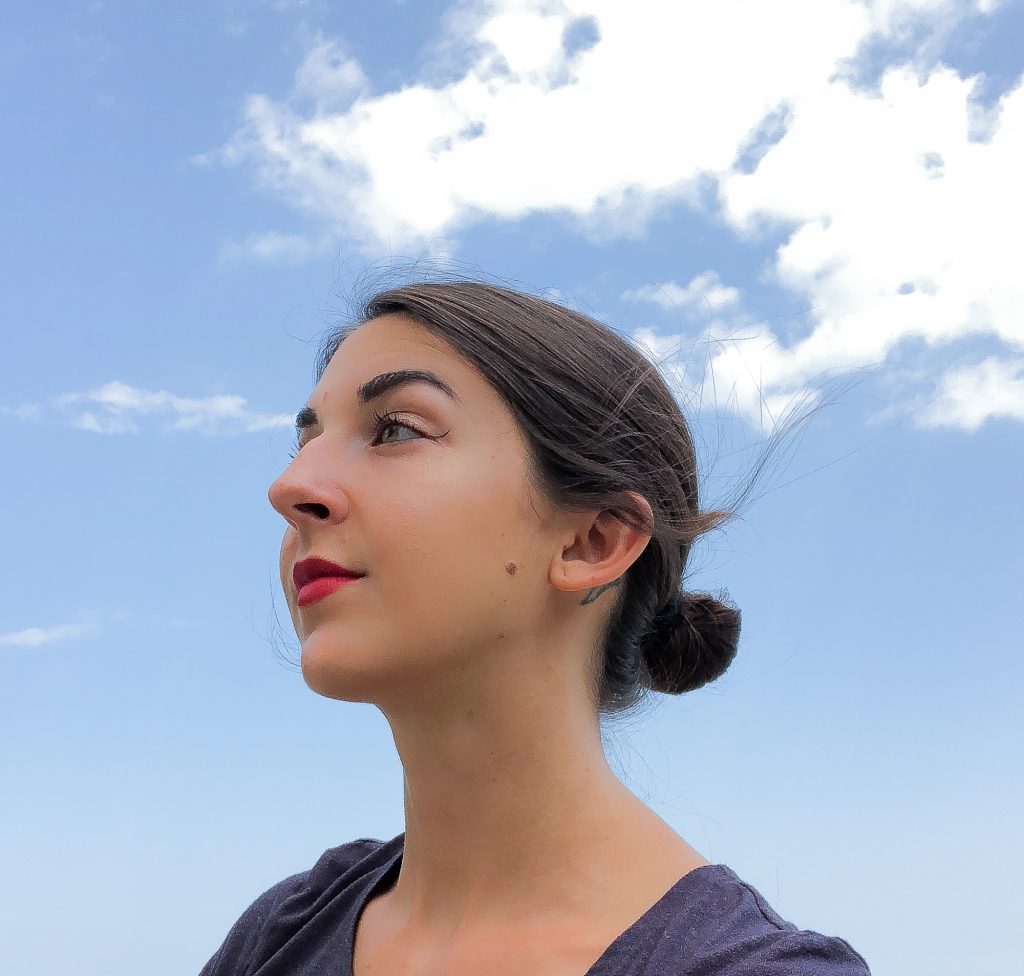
(324, 586)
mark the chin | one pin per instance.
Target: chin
(339, 668)
(329, 682)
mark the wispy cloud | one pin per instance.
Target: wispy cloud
(26, 411)
(150, 621)
(37, 636)
(118, 408)
(276, 248)
(742, 365)
(91, 623)
(705, 293)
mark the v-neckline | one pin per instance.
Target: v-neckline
(387, 874)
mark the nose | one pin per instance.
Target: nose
(306, 500)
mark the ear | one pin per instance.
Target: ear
(601, 550)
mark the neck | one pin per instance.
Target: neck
(513, 815)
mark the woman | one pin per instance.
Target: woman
(489, 516)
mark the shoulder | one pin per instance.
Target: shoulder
(731, 930)
(799, 952)
(289, 902)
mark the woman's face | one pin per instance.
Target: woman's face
(438, 515)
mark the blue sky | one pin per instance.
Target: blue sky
(764, 198)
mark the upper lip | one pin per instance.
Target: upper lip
(314, 568)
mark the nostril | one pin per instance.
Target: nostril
(314, 508)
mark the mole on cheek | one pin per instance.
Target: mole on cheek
(510, 568)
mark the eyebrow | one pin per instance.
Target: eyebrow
(376, 387)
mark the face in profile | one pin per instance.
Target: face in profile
(423, 490)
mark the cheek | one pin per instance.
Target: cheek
(470, 525)
(288, 544)
(285, 562)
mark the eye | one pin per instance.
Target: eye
(384, 422)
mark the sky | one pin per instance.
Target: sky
(808, 202)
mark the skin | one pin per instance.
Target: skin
(473, 632)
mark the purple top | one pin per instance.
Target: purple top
(709, 923)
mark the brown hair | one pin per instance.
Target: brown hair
(600, 422)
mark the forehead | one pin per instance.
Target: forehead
(395, 342)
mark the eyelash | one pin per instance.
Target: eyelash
(381, 421)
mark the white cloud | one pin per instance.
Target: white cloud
(898, 206)
(705, 291)
(904, 227)
(971, 395)
(36, 636)
(530, 126)
(117, 408)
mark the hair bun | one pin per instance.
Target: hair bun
(691, 642)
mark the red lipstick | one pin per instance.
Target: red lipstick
(317, 578)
